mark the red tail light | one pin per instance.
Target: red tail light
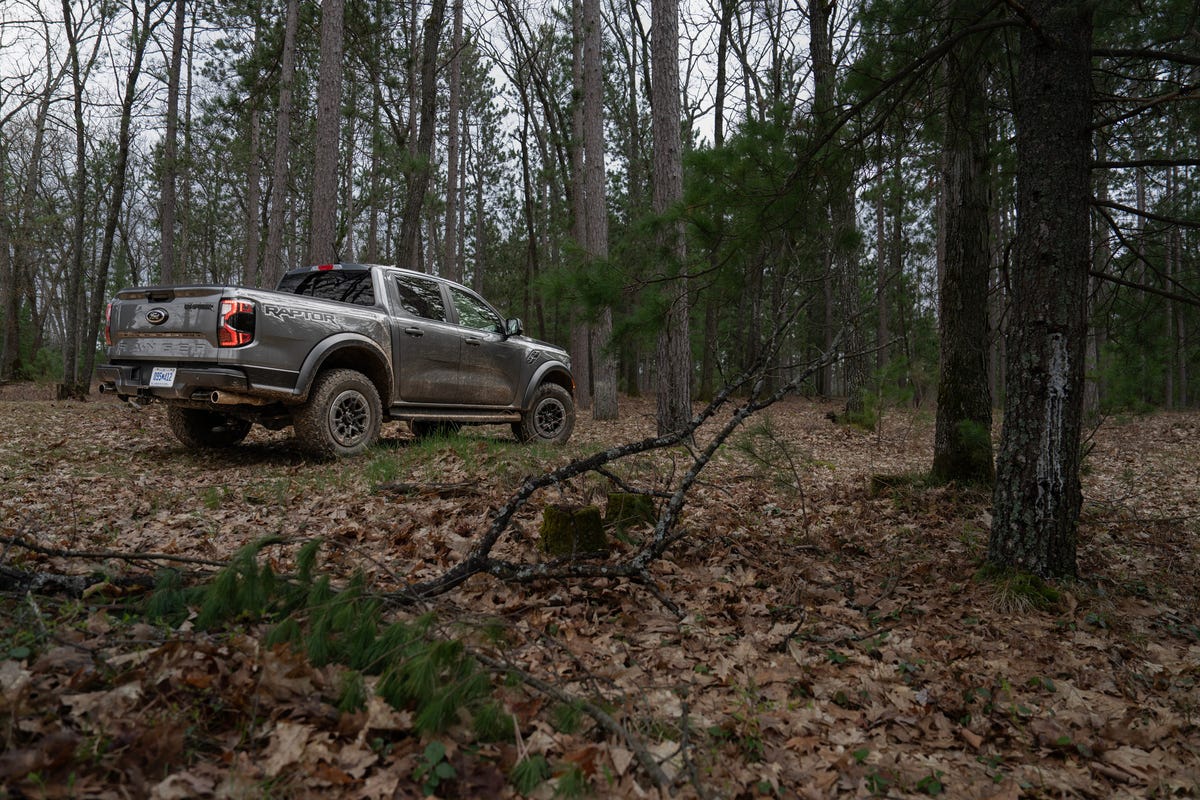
(108, 325)
(237, 323)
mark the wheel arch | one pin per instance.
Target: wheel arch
(348, 351)
(553, 372)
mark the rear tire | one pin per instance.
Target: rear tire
(342, 415)
(550, 419)
(202, 430)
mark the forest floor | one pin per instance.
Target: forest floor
(834, 641)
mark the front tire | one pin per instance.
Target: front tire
(342, 415)
(550, 419)
(202, 430)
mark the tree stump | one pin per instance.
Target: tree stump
(572, 532)
(626, 510)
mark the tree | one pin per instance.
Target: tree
(145, 20)
(603, 360)
(322, 247)
(170, 165)
(1037, 496)
(418, 180)
(841, 243)
(273, 267)
(962, 448)
(674, 354)
(454, 266)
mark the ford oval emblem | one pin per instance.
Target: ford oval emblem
(157, 316)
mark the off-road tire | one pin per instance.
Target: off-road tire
(342, 415)
(202, 430)
(550, 419)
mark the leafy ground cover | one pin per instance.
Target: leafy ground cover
(835, 638)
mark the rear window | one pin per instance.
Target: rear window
(344, 286)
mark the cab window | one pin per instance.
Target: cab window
(474, 314)
(421, 297)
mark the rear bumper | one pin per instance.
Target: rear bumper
(197, 383)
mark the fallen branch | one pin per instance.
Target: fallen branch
(665, 533)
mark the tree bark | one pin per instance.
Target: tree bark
(674, 356)
(273, 267)
(603, 360)
(581, 328)
(843, 233)
(1037, 496)
(171, 148)
(454, 266)
(962, 447)
(322, 247)
(418, 181)
(253, 197)
(75, 308)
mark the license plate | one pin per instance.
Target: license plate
(163, 376)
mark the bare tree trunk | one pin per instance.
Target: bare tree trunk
(1037, 496)
(322, 247)
(840, 199)
(17, 272)
(962, 447)
(253, 197)
(1169, 267)
(882, 275)
(141, 37)
(712, 301)
(454, 266)
(273, 267)
(184, 249)
(418, 182)
(171, 148)
(604, 362)
(581, 329)
(674, 355)
(75, 303)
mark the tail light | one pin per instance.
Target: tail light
(236, 323)
(108, 325)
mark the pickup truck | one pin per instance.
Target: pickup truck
(334, 351)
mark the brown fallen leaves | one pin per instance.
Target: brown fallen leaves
(833, 644)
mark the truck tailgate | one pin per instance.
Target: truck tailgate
(177, 323)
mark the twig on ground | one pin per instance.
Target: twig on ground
(647, 760)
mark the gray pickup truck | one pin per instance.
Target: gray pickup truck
(335, 350)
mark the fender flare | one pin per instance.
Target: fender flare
(555, 368)
(335, 344)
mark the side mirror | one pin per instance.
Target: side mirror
(513, 327)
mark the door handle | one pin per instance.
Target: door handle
(472, 342)
(414, 331)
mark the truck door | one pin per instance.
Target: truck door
(491, 366)
(425, 344)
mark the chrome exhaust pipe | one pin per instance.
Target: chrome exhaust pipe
(234, 399)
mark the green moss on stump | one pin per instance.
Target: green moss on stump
(572, 532)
